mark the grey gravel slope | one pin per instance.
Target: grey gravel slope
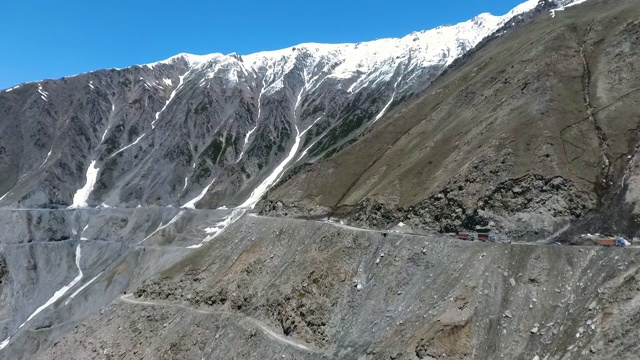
(426, 297)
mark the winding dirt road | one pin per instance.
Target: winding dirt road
(254, 322)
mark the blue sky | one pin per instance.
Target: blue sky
(50, 39)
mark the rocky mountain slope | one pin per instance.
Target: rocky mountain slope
(283, 288)
(531, 133)
(534, 129)
(208, 130)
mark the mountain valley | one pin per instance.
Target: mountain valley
(304, 203)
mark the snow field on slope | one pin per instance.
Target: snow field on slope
(82, 195)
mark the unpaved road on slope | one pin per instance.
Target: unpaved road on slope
(353, 228)
(255, 322)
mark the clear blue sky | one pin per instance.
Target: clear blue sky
(50, 39)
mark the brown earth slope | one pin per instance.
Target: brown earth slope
(536, 128)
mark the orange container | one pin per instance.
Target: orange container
(607, 242)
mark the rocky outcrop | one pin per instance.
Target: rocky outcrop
(556, 196)
(278, 208)
(527, 199)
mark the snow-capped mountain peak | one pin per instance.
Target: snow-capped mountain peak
(226, 121)
(364, 63)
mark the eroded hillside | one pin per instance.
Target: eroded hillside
(269, 288)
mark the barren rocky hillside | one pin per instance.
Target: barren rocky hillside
(128, 228)
(273, 288)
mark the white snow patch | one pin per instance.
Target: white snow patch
(248, 135)
(13, 88)
(46, 159)
(5, 195)
(258, 192)
(576, 2)
(43, 94)
(75, 293)
(91, 85)
(246, 142)
(186, 182)
(261, 189)
(563, 7)
(522, 8)
(82, 195)
(256, 195)
(82, 232)
(167, 81)
(221, 226)
(304, 152)
(173, 94)
(128, 146)
(56, 296)
(104, 135)
(106, 131)
(192, 204)
(386, 107)
(211, 229)
(161, 227)
(192, 59)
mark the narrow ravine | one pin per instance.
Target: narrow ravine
(128, 146)
(248, 135)
(586, 90)
(56, 296)
(75, 293)
(219, 227)
(386, 107)
(191, 204)
(266, 184)
(163, 226)
(171, 97)
(106, 131)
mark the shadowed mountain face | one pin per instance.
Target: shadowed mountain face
(536, 127)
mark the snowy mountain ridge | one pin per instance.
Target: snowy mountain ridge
(364, 63)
